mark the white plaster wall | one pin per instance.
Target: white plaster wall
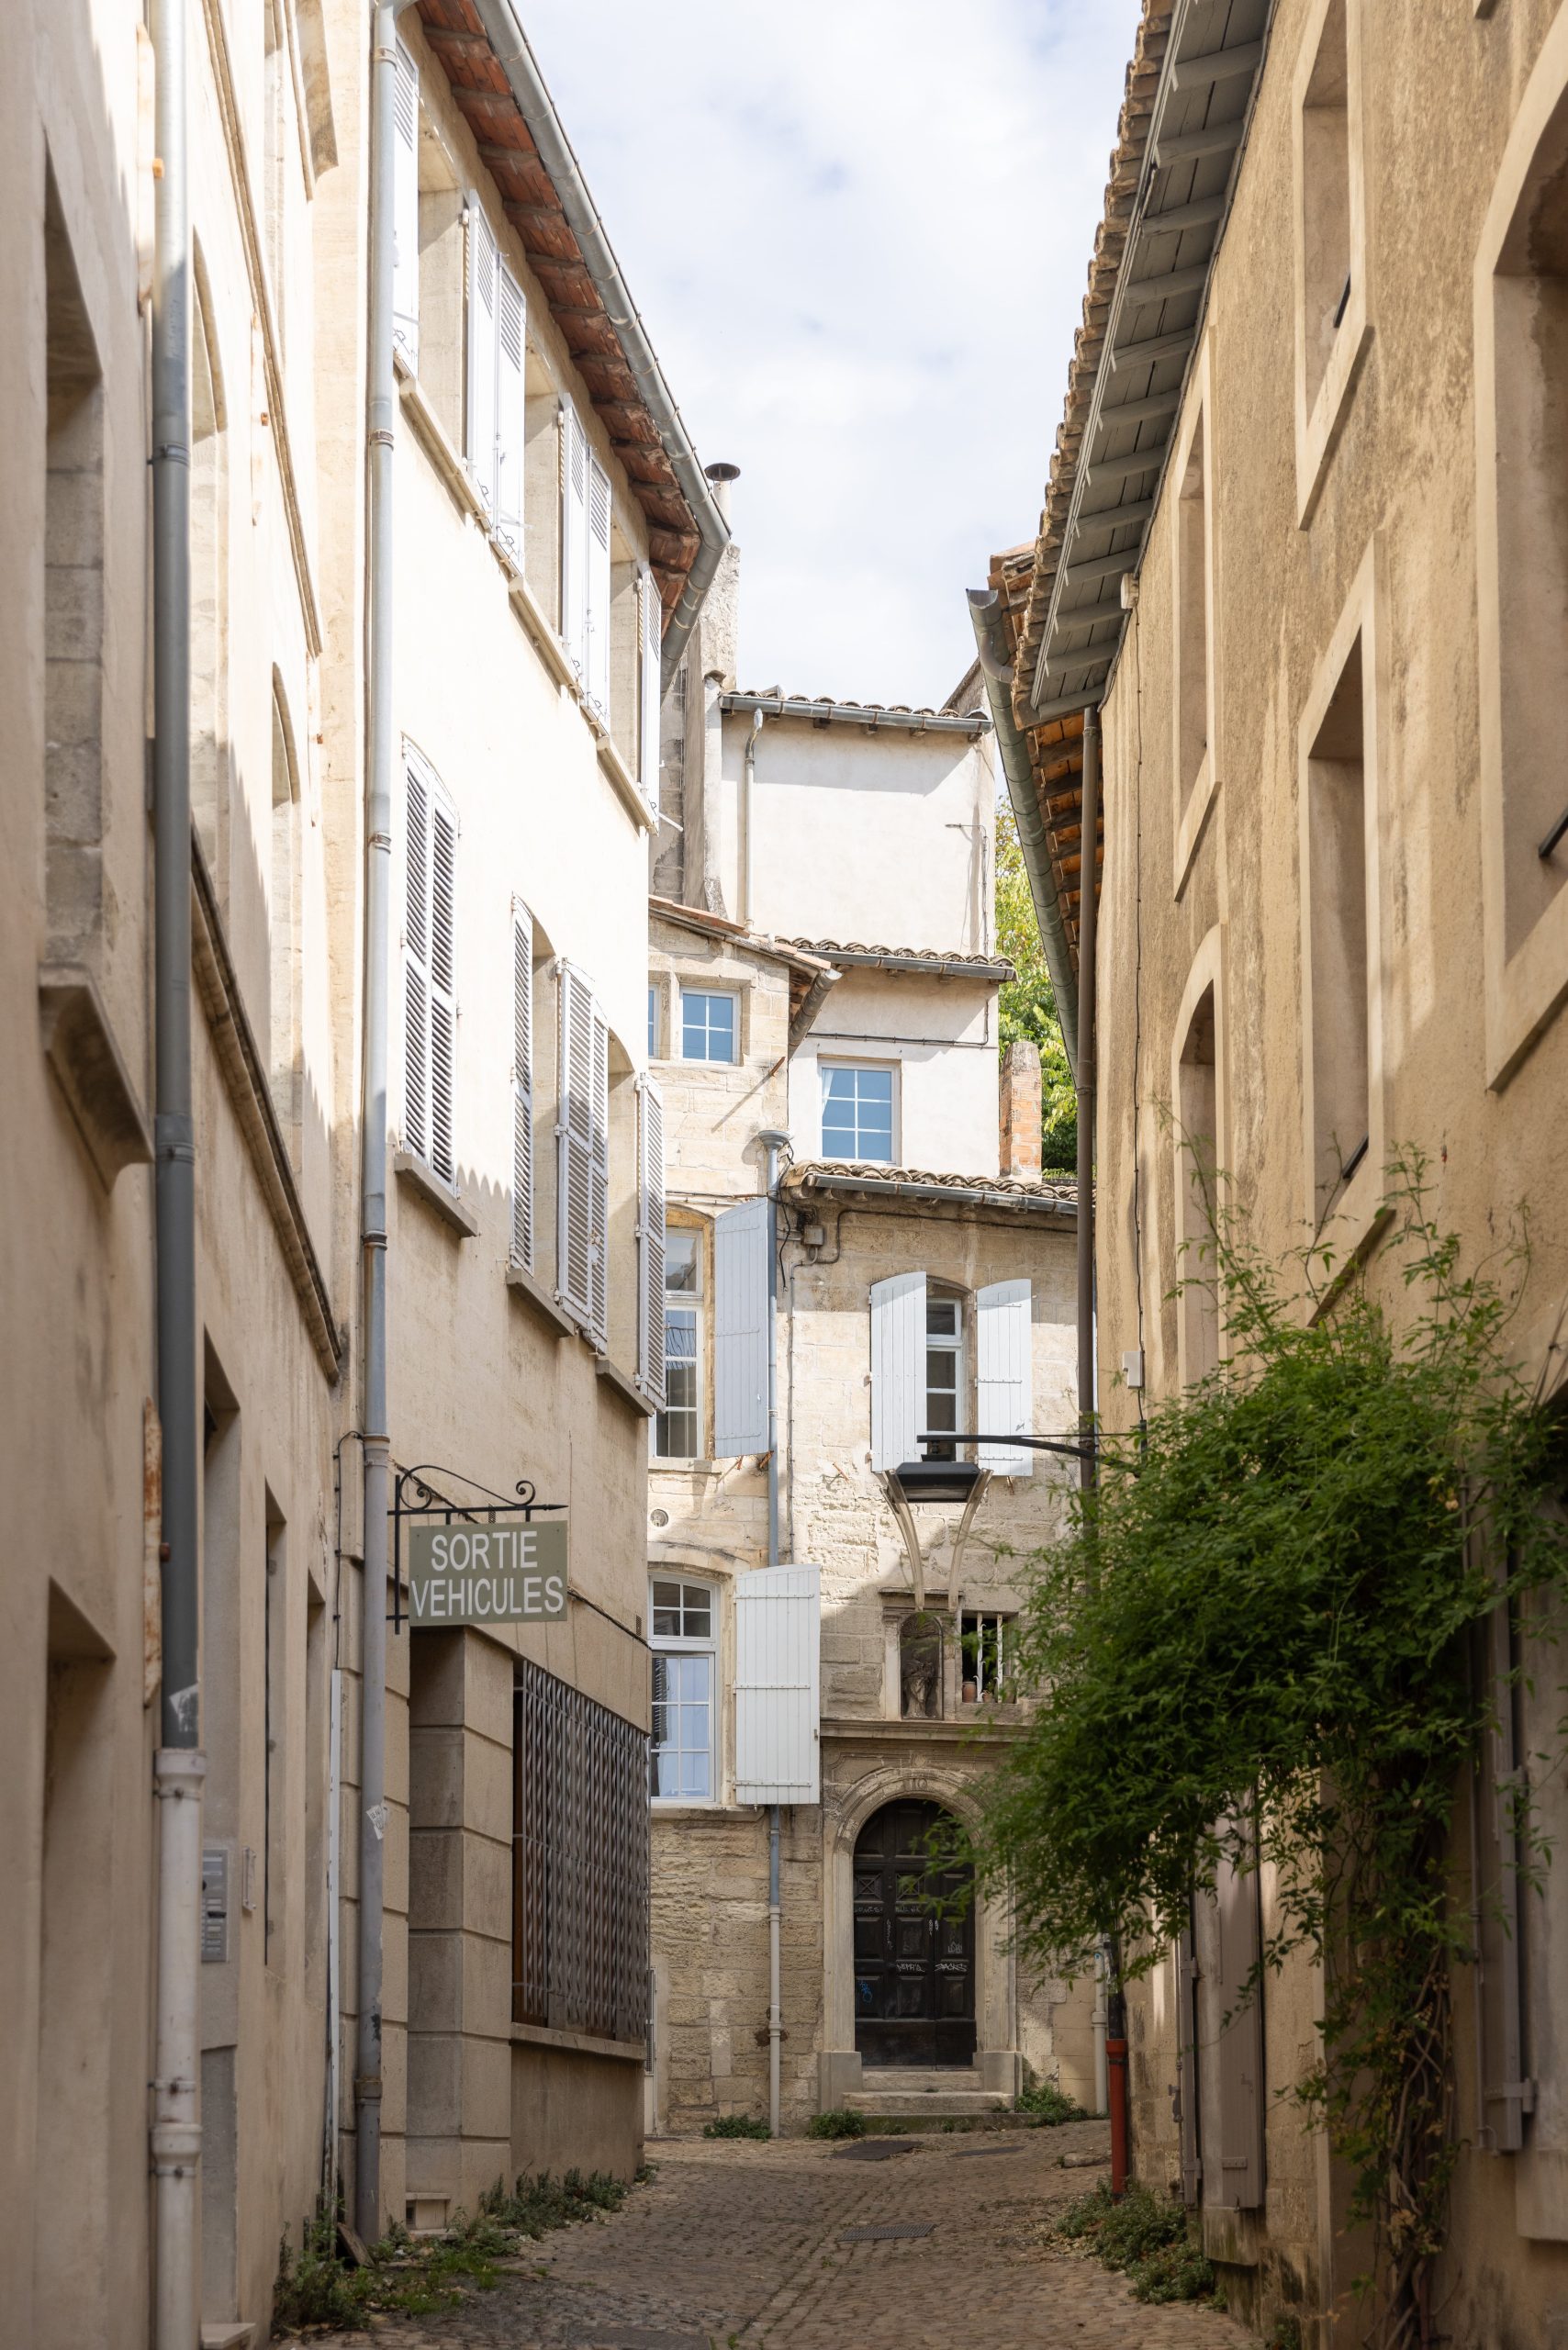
(940, 1035)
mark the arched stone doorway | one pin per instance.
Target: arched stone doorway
(915, 1963)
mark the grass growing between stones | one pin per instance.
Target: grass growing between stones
(839, 2122)
(1147, 2238)
(1047, 2106)
(737, 2125)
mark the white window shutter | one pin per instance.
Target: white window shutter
(598, 674)
(650, 1240)
(743, 1267)
(484, 265)
(522, 1087)
(1233, 2177)
(573, 1143)
(1005, 1401)
(598, 1241)
(898, 1369)
(416, 963)
(510, 322)
(778, 1645)
(574, 537)
(443, 989)
(652, 647)
(406, 208)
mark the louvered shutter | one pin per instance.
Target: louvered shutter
(650, 1240)
(898, 1368)
(573, 1143)
(653, 642)
(778, 1645)
(1002, 1374)
(574, 537)
(598, 674)
(522, 1088)
(510, 396)
(598, 1242)
(443, 989)
(743, 1254)
(484, 265)
(406, 207)
(1235, 2181)
(1502, 2093)
(416, 963)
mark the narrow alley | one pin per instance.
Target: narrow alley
(733, 2243)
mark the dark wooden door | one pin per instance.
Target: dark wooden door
(914, 1968)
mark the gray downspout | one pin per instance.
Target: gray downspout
(381, 411)
(505, 35)
(1018, 776)
(179, 1765)
(1088, 926)
(774, 1142)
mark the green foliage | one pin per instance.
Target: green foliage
(1146, 2236)
(1028, 1004)
(839, 2122)
(1284, 2334)
(737, 2125)
(316, 2288)
(1048, 2105)
(1257, 1642)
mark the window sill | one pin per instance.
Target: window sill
(674, 1807)
(621, 776)
(430, 433)
(534, 619)
(428, 1186)
(683, 1468)
(82, 1049)
(579, 2044)
(532, 1293)
(627, 1389)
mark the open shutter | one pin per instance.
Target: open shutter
(443, 988)
(598, 675)
(599, 1239)
(1184, 1966)
(574, 537)
(1235, 2179)
(778, 1643)
(416, 963)
(742, 1266)
(898, 1365)
(406, 208)
(1003, 1375)
(651, 1241)
(648, 738)
(510, 398)
(483, 266)
(1504, 2096)
(522, 1087)
(574, 1144)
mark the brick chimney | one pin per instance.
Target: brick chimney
(1021, 1111)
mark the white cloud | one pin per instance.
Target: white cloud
(859, 232)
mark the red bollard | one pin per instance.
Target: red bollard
(1117, 2076)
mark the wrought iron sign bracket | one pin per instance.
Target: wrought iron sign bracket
(417, 1498)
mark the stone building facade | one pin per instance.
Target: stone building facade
(1310, 437)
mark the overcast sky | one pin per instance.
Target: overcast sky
(858, 233)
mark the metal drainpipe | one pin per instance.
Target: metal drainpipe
(382, 405)
(774, 1142)
(179, 1765)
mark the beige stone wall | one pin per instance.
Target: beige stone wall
(1373, 510)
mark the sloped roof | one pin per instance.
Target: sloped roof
(928, 962)
(824, 710)
(1048, 1197)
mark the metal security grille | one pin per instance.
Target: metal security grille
(579, 1862)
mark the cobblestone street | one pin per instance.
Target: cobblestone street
(737, 2244)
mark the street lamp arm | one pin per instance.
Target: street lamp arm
(1035, 1443)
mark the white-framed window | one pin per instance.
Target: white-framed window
(430, 967)
(522, 1086)
(943, 1371)
(582, 1146)
(985, 1657)
(859, 1102)
(406, 208)
(709, 1024)
(685, 1644)
(677, 1430)
(497, 323)
(585, 560)
(651, 632)
(652, 1020)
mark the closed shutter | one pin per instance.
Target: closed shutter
(778, 1643)
(1233, 2174)
(898, 1369)
(742, 1266)
(416, 963)
(510, 397)
(574, 537)
(1003, 1375)
(599, 1240)
(443, 988)
(1184, 1964)
(597, 624)
(651, 1241)
(484, 264)
(406, 208)
(653, 643)
(1504, 2096)
(522, 1087)
(573, 1143)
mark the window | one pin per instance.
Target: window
(1326, 195)
(429, 996)
(288, 1077)
(585, 560)
(944, 1371)
(650, 1240)
(274, 1742)
(496, 390)
(73, 591)
(678, 1431)
(522, 1086)
(650, 688)
(1337, 963)
(1192, 603)
(684, 1651)
(406, 208)
(985, 1649)
(857, 1112)
(919, 1668)
(653, 1021)
(707, 1025)
(582, 1167)
(1197, 1170)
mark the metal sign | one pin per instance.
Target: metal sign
(466, 1573)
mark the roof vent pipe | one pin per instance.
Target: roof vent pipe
(722, 477)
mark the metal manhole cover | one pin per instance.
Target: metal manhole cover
(889, 2231)
(632, 2337)
(873, 2150)
(968, 2154)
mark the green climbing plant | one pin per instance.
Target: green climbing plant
(1028, 1003)
(1257, 1642)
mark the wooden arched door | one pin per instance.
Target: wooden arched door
(915, 1966)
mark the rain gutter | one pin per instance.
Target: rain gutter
(970, 722)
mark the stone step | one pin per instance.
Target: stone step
(887, 2102)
